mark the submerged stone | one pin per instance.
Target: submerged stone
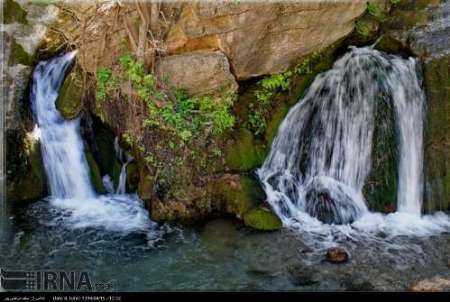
(337, 255)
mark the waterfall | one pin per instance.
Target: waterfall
(62, 146)
(66, 165)
(321, 155)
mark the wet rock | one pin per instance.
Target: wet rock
(69, 101)
(331, 202)
(262, 219)
(434, 284)
(96, 177)
(237, 193)
(337, 255)
(302, 276)
(26, 178)
(358, 285)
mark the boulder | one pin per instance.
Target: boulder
(332, 202)
(435, 284)
(262, 219)
(337, 255)
(199, 73)
(265, 37)
(70, 98)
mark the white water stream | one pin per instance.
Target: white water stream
(321, 156)
(66, 165)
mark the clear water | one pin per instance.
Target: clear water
(220, 255)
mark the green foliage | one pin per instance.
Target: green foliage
(259, 109)
(268, 87)
(362, 28)
(103, 75)
(182, 117)
(373, 9)
(395, 2)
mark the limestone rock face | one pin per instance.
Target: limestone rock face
(262, 38)
(198, 72)
(256, 38)
(24, 29)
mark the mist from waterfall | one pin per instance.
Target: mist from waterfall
(66, 165)
(321, 156)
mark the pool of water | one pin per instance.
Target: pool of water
(219, 255)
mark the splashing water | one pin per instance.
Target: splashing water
(66, 165)
(321, 156)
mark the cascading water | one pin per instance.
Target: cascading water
(321, 155)
(62, 147)
(66, 165)
(125, 159)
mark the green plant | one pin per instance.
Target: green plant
(373, 9)
(267, 87)
(182, 120)
(103, 75)
(395, 2)
(362, 28)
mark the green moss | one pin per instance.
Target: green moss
(96, 176)
(366, 29)
(108, 162)
(262, 219)
(70, 102)
(29, 184)
(380, 188)
(13, 12)
(132, 176)
(240, 193)
(437, 134)
(244, 153)
(275, 121)
(18, 55)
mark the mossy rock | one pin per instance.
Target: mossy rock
(18, 55)
(96, 176)
(31, 183)
(244, 154)
(13, 12)
(278, 116)
(262, 219)
(380, 188)
(366, 30)
(145, 186)
(437, 134)
(391, 44)
(132, 177)
(239, 193)
(105, 152)
(70, 98)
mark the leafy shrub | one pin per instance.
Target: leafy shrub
(186, 117)
(268, 87)
(373, 9)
